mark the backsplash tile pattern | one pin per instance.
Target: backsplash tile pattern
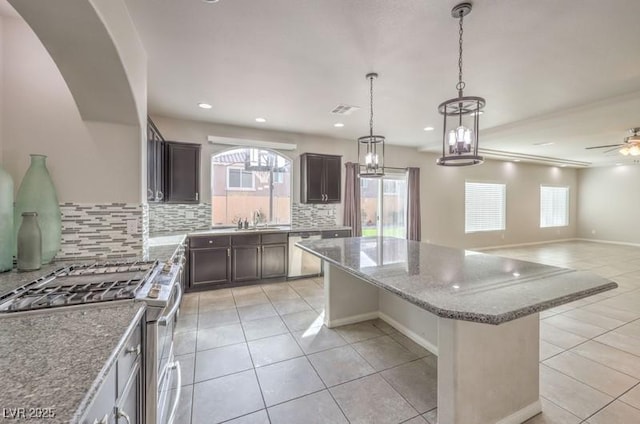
(165, 217)
(92, 230)
(308, 215)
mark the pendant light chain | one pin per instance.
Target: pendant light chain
(371, 105)
(460, 86)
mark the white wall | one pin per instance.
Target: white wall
(89, 161)
(442, 189)
(609, 204)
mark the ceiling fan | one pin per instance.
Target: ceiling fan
(631, 145)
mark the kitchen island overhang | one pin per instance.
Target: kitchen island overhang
(479, 313)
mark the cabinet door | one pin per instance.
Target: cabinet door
(129, 408)
(332, 178)
(246, 263)
(209, 267)
(182, 173)
(274, 260)
(312, 181)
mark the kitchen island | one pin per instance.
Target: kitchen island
(478, 313)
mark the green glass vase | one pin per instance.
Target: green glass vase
(38, 194)
(6, 221)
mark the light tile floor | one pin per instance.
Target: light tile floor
(260, 354)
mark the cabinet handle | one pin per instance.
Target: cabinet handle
(197, 196)
(149, 194)
(135, 350)
(210, 241)
(159, 195)
(121, 414)
(228, 252)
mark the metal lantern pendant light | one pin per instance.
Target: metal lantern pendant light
(461, 115)
(371, 147)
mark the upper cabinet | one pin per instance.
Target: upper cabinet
(173, 169)
(182, 172)
(320, 178)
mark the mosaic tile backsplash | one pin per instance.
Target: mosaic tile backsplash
(306, 215)
(169, 217)
(111, 230)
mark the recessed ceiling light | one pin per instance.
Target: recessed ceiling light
(205, 105)
(261, 120)
(543, 144)
(429, 128)
(564, 165)
(618, 164)
(516, 160)
(210, 1)
(338, 125)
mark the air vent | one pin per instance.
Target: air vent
(344, 110)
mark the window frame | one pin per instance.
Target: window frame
(504, 206)
(242, 170)
(567, 205)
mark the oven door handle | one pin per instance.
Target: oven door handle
(166, 318)
(174, 408)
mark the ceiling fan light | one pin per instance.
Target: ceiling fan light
(624, 151)
(634, 150)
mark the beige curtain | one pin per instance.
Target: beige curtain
(413, 204)
(352, 216)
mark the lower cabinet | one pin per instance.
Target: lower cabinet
(246, 263)
(119, 399)
(209, 266)
(274, 260)
(215, 261)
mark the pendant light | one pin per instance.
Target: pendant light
(461, 115)
(371, 147)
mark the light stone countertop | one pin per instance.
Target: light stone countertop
(456, 283)
(59, 358)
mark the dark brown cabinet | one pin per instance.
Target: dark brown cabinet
(173, 169)
(216, 261)
(209, 267)
(182, 172)
(320, 178)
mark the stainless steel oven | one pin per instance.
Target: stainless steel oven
(163, 374)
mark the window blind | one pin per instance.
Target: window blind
(554, 206)
(485, 207)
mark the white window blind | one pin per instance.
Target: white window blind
(485, 207)
(554, 206)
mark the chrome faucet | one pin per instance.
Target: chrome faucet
(256, 218)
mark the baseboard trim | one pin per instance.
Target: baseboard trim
(523, 414)
(533, 243)
(412, 335)
(350, 320)
(622, 243)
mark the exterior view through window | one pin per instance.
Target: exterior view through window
(554, 206)
(383, 205)
(484, 207)
(249, 182)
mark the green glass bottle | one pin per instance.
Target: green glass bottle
(38, 194)
(6, 221)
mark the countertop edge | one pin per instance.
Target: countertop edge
(85, 403)
(469, 316)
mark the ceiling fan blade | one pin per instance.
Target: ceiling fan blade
(611, 150)
(602, 147)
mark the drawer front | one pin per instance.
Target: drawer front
(208, 241)
(275, 238)
(245, 239)
(336, 234)
(131, 352)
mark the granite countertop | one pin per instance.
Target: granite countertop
(456, 283)
(59, 358)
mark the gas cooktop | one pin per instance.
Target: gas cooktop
(81, 284)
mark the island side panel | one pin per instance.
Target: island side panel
(348, 299)
(414, 322)
(488, 373)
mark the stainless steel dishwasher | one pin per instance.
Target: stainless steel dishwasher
(301, 263)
